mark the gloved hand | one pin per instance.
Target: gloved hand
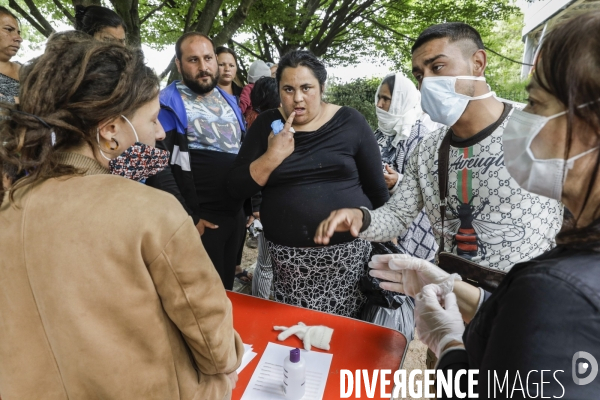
(437, 325)
(409, 274)
(318, 336)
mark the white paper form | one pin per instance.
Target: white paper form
(247, 357)
(267, 380)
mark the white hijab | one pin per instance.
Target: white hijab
(404, 111)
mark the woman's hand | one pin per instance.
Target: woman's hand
(233, 378)
(346, 219)
(281, 145)
(390, 176)
(280, 148)
(203, 224)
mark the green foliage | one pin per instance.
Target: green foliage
(402, 23)
(502, 75)
(341, 32)
(358, 94)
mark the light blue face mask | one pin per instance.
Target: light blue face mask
(440, 100)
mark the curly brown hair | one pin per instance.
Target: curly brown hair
(77, 83)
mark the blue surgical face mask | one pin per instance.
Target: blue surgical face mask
(440, 100)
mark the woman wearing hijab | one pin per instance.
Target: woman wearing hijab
(400, 130)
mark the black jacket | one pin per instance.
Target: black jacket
(543, 313)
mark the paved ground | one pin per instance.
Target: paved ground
(415, 357)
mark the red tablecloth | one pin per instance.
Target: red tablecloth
(354, 345)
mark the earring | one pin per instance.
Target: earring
(117, 144)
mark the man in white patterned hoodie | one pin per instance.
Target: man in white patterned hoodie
(489, 219)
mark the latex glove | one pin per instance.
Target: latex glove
(438, 325)
(408, 274)
(318, 336)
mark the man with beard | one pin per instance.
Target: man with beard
(203, 133)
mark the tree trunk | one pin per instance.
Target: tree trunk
(207, 18)
(87, 3)
(128, 10)
(234, 23)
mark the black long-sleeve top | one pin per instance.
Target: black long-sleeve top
(336, 166)
(543, 313)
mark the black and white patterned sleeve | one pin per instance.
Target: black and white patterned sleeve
(394, 217)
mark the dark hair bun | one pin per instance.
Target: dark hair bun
(79, 14)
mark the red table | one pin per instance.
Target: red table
(354, 345)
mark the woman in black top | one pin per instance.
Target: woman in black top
(540, 329)
(324, 158)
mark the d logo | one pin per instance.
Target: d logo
(582, 367)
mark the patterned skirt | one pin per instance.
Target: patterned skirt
(321, 278)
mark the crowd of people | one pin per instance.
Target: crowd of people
(115, 287)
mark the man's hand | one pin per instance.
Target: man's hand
(390, 176)
(233, 378)
(344, 220)
(203, 224)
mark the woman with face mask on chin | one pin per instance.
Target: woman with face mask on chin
(399, 132)
(324, 156)
(542, 321)
(106, 286)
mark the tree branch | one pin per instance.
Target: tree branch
(247, 50)
(151, 12)
(273, 35)
(234, 23)
(128, 10)
(190, 15)
(343, 19)
(64, 10)
(13, 4)
(168, 69)
(207, 18)
(40, 23)
(385, 27)
(311, 7)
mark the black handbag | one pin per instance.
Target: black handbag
(475, 274)
(369, 285)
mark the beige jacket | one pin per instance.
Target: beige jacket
(106, 292)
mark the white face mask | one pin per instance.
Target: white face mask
(543, 177)
(440, 100)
